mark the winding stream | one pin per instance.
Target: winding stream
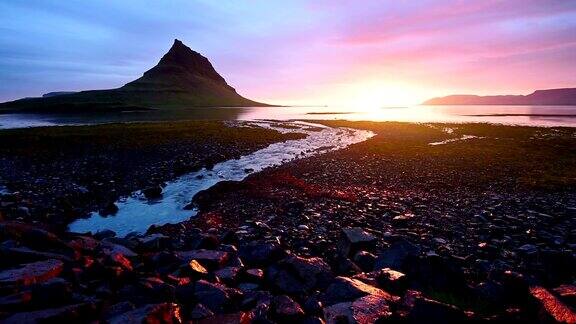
(137, 214)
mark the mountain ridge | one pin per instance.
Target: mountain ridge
(548, 97)
(183, 78)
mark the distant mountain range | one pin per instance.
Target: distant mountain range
(551, 97)
(182, 79)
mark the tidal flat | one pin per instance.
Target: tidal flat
(389, 228)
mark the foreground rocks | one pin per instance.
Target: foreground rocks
(132, 281)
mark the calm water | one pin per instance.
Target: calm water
(518, 115)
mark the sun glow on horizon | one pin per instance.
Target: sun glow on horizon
(370, 94)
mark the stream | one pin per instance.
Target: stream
(137, 213)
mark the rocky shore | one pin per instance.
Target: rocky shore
(58, 174)
(391, 229)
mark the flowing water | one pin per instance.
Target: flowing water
(136, 213)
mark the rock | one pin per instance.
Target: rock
(199, 312)
(367, 309)
(67, 314)
(110, 248)
(104, 234)
(15, 302)
(550, 307)
(213, 296)
(194, 269)
(228, 274)
(54, 292)
(154, 192)
(19, 255)
(528, 249)
(365, 260)
(211, 259)
(154, 313)
(344, 266)
(286, 309)
(109, 209)
(566, 292)
(439, 273)
(303, 228)
(261, 253)
(393, 281)
(32, 273)
(402, 220)
(155, 242)
(312, 272)
(234, 318)
(255, 275)
(425, 310)
(285, 281)
(396, 254)
(345, 289)
(353, 239)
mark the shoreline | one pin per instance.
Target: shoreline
(390, 228)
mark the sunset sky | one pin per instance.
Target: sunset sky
(296, 52)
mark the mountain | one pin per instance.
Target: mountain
(182, 79)
(551, 97)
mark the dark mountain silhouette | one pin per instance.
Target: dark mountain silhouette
(552, 97)
(183, 78)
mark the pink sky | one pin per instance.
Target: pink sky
(297, 52)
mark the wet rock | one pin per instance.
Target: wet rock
(32, 273)
(396, 254)
(346, 289)
(550, 307)
(286, 309)
(353, 239)
(153, 192)
(211, 259)
(261, 253)
(67, 314)
(155, 313)
(367, 309)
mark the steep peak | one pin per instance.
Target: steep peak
(183, 57)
